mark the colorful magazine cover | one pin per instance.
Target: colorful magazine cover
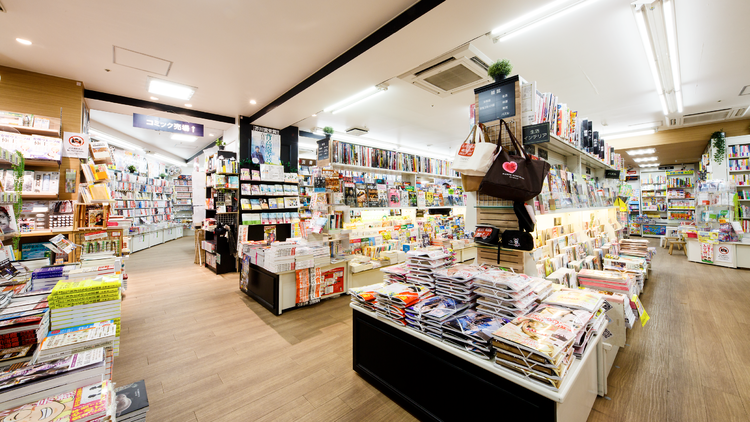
(86, 403)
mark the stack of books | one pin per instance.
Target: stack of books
(91, 403)
(132, 402)
(609, 281)
(585, 301)
(37, 381)
(472, 332)
(423, 264)
(393, 300)
(77, 303)
(23, 324)
(539, 346)
(395, 273)
(634, 247)
(428, 316)
(60, 344)
(366, 297)
(457, 282)
(505, 294)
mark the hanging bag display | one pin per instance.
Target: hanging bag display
(514, 177)
(521, 239)
(474, 156)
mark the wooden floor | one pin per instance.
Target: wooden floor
(209, 353)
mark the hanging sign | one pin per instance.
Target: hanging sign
(497, 101)
(75, 145)
(167, 125)
(536, 134)
(611, 174)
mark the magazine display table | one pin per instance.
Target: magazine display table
(435, 381)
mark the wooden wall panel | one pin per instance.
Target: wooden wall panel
(28, 92)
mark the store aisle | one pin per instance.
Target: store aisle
(691, 362)
(209, 353)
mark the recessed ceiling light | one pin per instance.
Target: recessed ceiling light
(315, 115)
(154, 98)
(183, 138)
(641, 151)
(210, 134)
(648, 165)
(170, 89)
(188, 105)
(253, 102)
(23, 41)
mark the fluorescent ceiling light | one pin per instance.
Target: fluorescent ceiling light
(23, 41)
(154, 98)
(356, 99)
(170, 89)
(183, 138)
(114, 141)
(628, 134)
(170, 160)
(253, 102)
(641, 151)
(188, 105)
(658, 30)
(649, 165)
(645, 159)
(536, 18)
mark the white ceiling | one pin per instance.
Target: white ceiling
(592, 59)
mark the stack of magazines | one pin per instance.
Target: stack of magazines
(586, 301)
(366, 296)
(539, 346)
(472, 332)
(423, 264)
(610, 281)
(91, 403)
(506, 294)
(428, 315)
(393, 299)
(395, 273)
(457, 282)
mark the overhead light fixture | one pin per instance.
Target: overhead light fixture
(113, 140)
(183, 138)
(169, 160)
(356, 99)
(315, 115)
(628, 134)
(188, 105)
(645, 159)
(536, 18)
(641, 151)
(648, 165)
(23, 41)
(170, 89)
(657, 26)
(154, 98)
(210, 134)
(253, 102)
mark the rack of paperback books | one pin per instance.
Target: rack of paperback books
(497, 333)
(222, 205)
(183, 200)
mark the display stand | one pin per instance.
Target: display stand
(378, 350)
(219, 257)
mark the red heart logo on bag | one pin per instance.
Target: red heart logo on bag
(510, 166)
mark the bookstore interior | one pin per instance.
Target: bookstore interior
(491, 232)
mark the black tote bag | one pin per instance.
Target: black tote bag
(514, 177)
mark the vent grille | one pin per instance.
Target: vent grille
(480, 63)
(708, 116)
(455, 77)
(448, 60)
(740, 112)
(745, 90)
(357, 131)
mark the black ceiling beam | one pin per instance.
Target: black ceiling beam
(119, 99)
(396, 24)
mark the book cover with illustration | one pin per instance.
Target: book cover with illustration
(361, 191)
(350, 196)
(372, 195)
(131, 400)
(269, 233)
(382, 195)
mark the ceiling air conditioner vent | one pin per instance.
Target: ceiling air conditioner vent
(458, 70)
(357, 131)
(708, 116)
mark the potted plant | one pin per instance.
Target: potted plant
(328, 131)
(500, 70)
(131, 168)
(163, 176)
(220, 143)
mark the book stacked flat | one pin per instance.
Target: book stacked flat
(472, 332)
(321, 255)
(132, 402)
(609, 281)
(457, 282)
(636, 266)
(92, 403)
(539, 346)
(634, 247)
(63, 343)
(506, 294)
(37, 381)
(393, 299)
(395, 273)
(279, 257)
(366, 297)
(423, 264)
(429, 315)
(23, 324)
(77, 303)
(45, 278)
(586, 301)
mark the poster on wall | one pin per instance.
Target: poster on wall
(723, 255)
(265, 146)
(75, 145)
